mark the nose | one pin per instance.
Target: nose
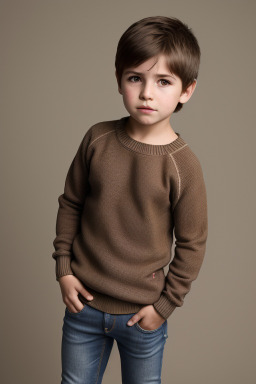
(146, 92)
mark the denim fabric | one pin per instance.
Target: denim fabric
(87, 341)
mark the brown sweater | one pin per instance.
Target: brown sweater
(123, 201)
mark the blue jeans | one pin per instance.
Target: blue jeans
(87, 341)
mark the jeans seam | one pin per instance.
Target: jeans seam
(109, 330)
(101, 357)
(165, 330)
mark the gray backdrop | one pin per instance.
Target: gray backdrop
(57, 79)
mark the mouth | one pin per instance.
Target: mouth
(147, 108)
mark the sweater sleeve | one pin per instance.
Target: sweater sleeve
(71, 204)
(191, 229)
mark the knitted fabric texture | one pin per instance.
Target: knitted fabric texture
(124, 203)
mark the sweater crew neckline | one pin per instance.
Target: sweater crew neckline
(148, 149)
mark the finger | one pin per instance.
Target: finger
(76, 306)
(86, 294)
(134, 319)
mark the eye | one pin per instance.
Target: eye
(133, 77)
(166, 81)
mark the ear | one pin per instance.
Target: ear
(185, 96)
(119, 89)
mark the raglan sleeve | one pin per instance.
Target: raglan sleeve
(190, 218)
(70, 208)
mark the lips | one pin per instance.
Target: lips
(142, 107)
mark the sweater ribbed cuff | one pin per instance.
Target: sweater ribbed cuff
(63, 267)
(164, 306)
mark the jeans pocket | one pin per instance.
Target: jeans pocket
(148, 330)
(76, 313)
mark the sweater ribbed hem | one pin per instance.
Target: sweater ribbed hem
(164, 306)
(147, 149)
(63, 267)
(109, 304)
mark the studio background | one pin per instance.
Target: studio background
(57, 79)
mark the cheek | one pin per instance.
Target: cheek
(170, 99)
(129, 95)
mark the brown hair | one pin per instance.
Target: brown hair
(155, 35)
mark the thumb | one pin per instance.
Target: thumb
(135, 318)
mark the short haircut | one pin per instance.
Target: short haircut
(157, 35)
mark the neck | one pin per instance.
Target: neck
(159, 134)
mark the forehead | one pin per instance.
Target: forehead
(154, 65)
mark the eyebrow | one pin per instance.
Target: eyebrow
(157, 75)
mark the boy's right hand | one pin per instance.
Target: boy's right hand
(70, 286)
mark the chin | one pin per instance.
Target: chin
(147, 120)
(144, 119)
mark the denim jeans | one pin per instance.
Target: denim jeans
(87, 341)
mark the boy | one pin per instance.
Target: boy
(132, 183)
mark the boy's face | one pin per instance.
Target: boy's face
(147, 88)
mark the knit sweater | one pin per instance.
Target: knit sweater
(123, 204)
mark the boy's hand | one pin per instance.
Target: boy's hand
(70, 287)
(151, 318)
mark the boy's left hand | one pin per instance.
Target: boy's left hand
(151, 318)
